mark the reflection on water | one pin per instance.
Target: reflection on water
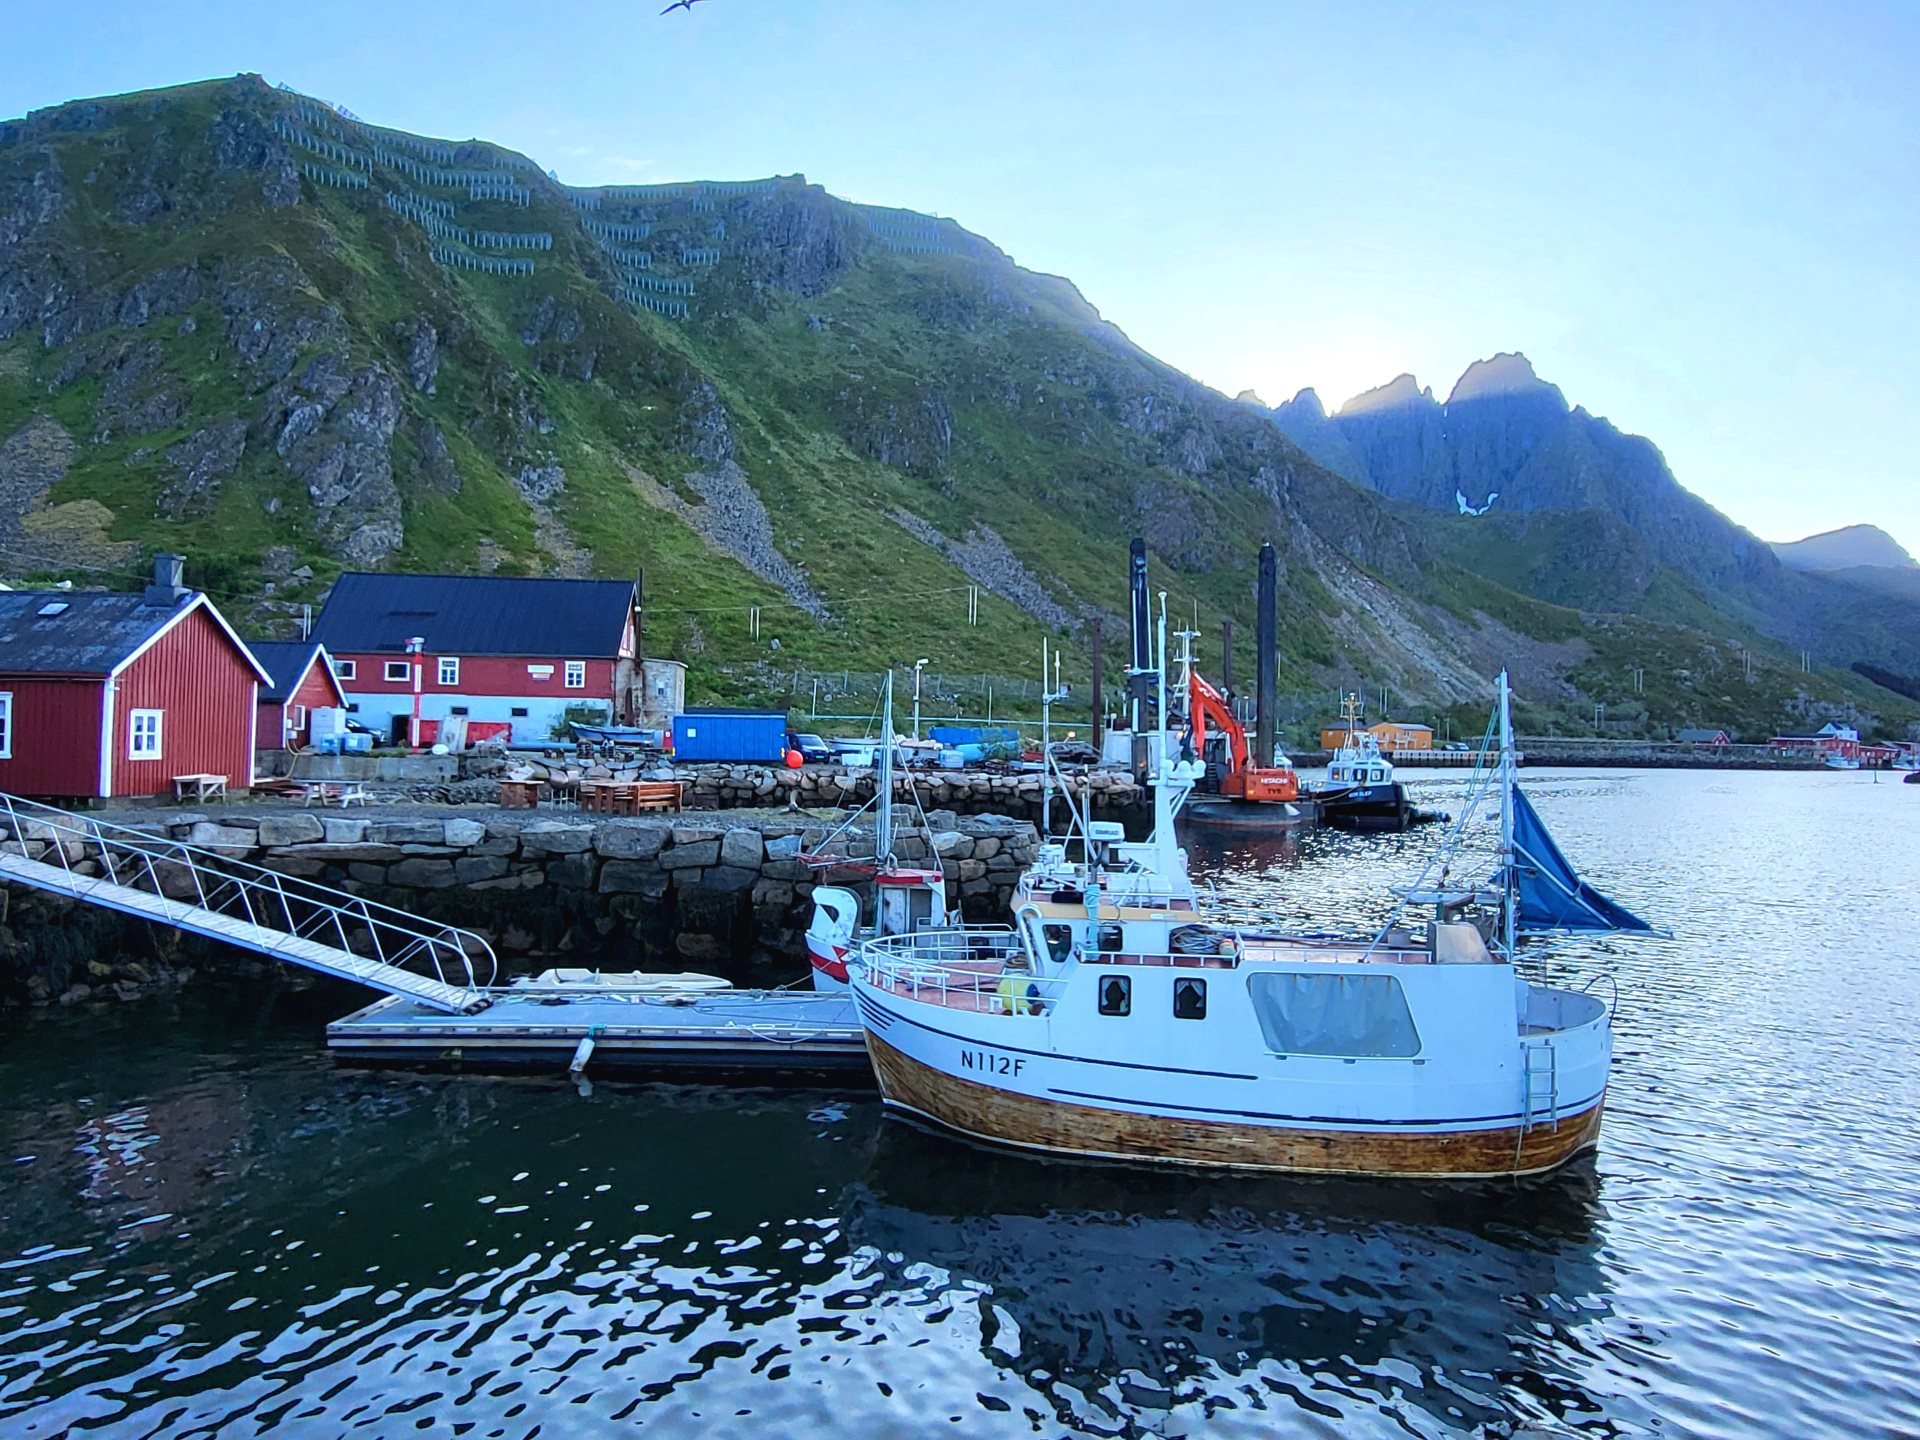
(206, 1229)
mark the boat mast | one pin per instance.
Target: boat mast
(1046, 747)
(883, 779)
(1508, 860)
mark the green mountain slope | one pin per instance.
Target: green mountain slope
(235, 322)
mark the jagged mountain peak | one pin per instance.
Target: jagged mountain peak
(1306, 402)
(1507, 373)
(1400, 391)
(1250, 396)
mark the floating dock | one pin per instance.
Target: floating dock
(596, 1028)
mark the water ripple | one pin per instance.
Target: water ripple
(209, 1231)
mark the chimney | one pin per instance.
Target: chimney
(166, 591)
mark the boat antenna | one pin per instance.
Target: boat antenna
(883, 778)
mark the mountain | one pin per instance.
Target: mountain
(1843, 549)
(1559, 504)
(238, 322)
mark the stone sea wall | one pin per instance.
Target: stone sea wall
(725, 893)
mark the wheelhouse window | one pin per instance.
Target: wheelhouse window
(1116, 994)
(1189, 999)
(399, 670)
(143, 735)
(6, 725)
(449, 670)
(576, 674)
(1345, 1015)
(343, 669)
(1059, 940)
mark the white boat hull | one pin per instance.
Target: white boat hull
(1003, 1078)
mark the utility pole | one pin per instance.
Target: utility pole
(1099, 699)
(918, 666)
(414, 646)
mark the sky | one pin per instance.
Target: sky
(1700, 221)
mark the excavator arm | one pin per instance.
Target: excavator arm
(1205, 703)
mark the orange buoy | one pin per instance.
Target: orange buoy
(794, 762)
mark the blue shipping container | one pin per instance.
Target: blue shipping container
(974, 734)
(756, 736)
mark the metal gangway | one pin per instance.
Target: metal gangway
(153, 877)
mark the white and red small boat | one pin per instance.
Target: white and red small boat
(906, 899)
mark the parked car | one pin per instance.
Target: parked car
(811, 747)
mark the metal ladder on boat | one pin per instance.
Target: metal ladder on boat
(1539, 1085)
(148, 875)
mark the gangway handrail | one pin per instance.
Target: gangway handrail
(396, 936)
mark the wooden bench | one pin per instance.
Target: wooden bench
(341, 793)
(655, 795)
(200, 788)
(520, 794)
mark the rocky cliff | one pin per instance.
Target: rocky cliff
(236, 321)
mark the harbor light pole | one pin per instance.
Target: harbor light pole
(414, 646)
(918, 666)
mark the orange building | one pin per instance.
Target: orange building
(1391, 735)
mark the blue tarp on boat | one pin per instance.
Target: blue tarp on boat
(1552, 895)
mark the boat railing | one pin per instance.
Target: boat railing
(962, 969)
(189, 876)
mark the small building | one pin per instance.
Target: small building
(303, 681)
(486, 648)
(661, 693)
(1391, 735)
(107, 694)
(1700, 735)
(1832, 738)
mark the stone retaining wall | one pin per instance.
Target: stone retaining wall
(725, 893)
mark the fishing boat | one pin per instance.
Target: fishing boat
(1836, 761)
(1095, 1028)
(1359, 791)
(906, 898)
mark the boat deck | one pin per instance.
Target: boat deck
(776, 1031)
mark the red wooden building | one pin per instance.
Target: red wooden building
(303, 682)
(492, 649)
(1831, 739)
(109, 694)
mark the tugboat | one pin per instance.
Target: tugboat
(905, 898)
(1359, 791)
(1128, 1032)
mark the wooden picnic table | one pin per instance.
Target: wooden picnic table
(200, 788)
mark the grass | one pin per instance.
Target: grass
(1053, 445)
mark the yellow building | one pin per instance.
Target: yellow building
(1392, 735)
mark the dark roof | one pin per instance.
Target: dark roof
(286, 661)
(475, 615)
(93, 633)
(1695, 733)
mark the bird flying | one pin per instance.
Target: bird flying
(680, 5)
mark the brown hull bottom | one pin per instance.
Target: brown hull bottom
(983, 1112)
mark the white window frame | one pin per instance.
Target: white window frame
(6, 724)
(576, 675)
(296, 719)
(449, 670)
(136, 750)
(343, 669)
(405, 667)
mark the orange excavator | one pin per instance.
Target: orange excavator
(1243, 780)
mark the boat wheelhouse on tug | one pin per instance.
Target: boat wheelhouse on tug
(1096, 1027)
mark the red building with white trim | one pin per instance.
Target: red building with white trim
(490, 649)
(1832, 739)
(303, 682)
(105, 695)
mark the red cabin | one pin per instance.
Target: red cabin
(493, 650)
(303, 682)
(107, 695)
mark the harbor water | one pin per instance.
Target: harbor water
(208, 1229)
